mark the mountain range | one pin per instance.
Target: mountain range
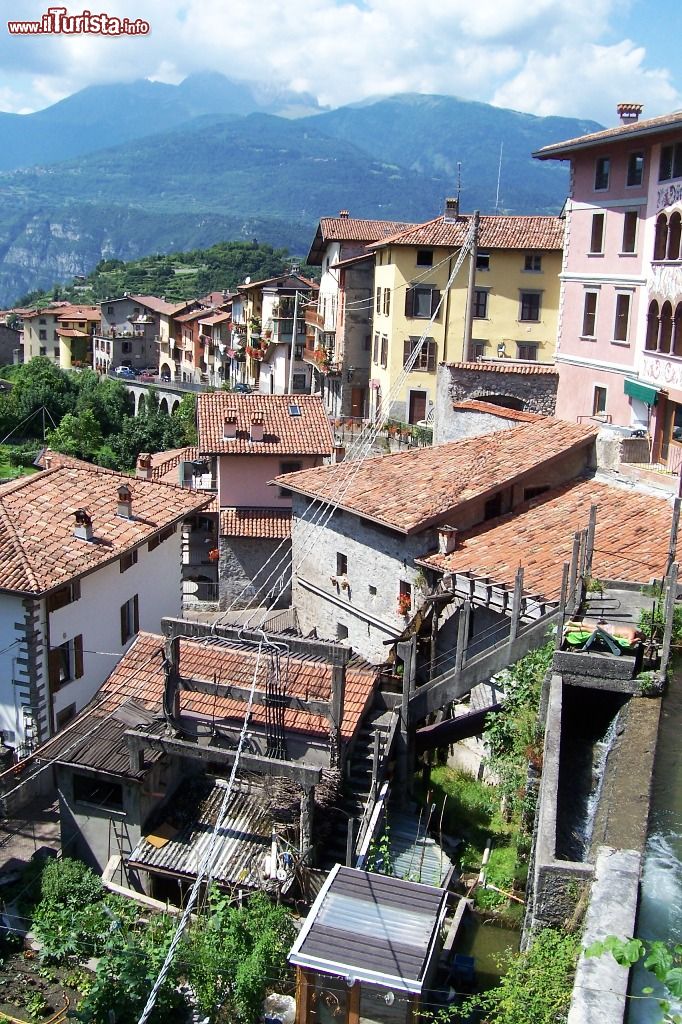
(122, 171)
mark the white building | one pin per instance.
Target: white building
(88, 557)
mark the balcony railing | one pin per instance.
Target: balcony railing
(314, 319)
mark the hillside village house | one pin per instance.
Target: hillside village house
(514, 302)
(264, 336)
(136, 331)
(63, 332)
(620, 339)
(356, 576)
(339, 325)
(249, 439)
(88, 557)
(143, 767)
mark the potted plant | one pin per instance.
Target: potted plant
(404, 604)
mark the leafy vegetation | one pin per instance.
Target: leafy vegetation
(90, 418)
(230, 957)
(535, 988)
(664, 962)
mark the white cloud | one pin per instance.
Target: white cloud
(513, 53)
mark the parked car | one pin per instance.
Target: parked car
(146, 377)
(243, 389)
(125, 371)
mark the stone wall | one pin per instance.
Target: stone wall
(531, 392)
(241, 559)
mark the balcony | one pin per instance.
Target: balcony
(314, 319)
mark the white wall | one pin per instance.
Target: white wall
(11, 718)
(156, 579)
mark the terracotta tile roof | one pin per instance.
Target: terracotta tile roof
(631, 538)
(283, 434)
(194, 314)
(139, 675)
(649, 126)
(519, 415)
(65, 332)
(290, 281)
(506, 366)
(271, 523)
(159, 305)
(80, 313)
(216, 318)
(350, 229)
(496, 232)
(164, 462)
(415, 489)
(38, 549)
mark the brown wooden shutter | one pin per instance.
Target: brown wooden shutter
(54, 669)
(76, 590)
(136, 614)
(409, 302)
(435, 299)
(124, 623)
(407, 351)
(78, 656)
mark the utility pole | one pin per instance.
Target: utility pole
(290, 388)
(468, 323)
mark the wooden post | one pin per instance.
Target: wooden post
(306, 826)
(375, 764)
(573, 574)
(350, 842)
(562, 606)
(516, 605)
(589, 546)
(669, 613)
(434, 641)
(354, 1004)
(305, 983)
(338, 687)
(407, 650)
(171, 673)
(462, 634)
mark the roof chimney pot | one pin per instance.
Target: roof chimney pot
(257, 426)
(447, 539)
(125, 502)
(143, 470)
(344, 214)
(451, 212)
(83, 527)
(629, 112)
(230, 425)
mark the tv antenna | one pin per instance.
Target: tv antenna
(499, 175)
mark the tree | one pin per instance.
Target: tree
(39, 383)
(78, 435)
(106, 397)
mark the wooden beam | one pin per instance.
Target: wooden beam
(462, 634)
(305, 775)
(516, 604)
(312, 707)
(330, 653)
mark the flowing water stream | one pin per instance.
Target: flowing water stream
(660, 912)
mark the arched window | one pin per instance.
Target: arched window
(661, 241)
(666, 331)
(677, 330)
(651, 342)
(674, 230)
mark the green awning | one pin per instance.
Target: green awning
(644, 392)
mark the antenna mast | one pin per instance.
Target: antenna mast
(499, 175)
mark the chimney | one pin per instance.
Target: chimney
(47, 460)
(451, 212)
(83, 527)
(125, 502)
(343, 214)
(257, 426)
(143, 470)
(230, 425)
(629, 112)
(447, 539)
(339, 453)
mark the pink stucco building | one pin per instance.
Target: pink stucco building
(619, 350)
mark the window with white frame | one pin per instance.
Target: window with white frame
(622, 318)
(482, 261)
(590, 314)
(421, 302)
(599, 400)
(532, 262)
(597, 233)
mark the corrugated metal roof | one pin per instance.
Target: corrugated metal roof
(244, 840)
(414, 854)
(372, 928)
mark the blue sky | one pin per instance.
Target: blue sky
(573, 57)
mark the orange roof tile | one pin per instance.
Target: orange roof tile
(159, 305)
(495, 232)
(506, 366)
(519, 415)
(271, 523)
(38, 549)
(350, 229)
(649, 126)
(631, 538)
(284, 434)
(164, 462)
(139, 674)
(411, 490)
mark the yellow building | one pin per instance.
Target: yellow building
(515, 302)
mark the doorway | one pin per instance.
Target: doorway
(417, 407)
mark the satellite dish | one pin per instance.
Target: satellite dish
(247, 280)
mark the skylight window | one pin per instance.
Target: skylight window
(294, 410)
